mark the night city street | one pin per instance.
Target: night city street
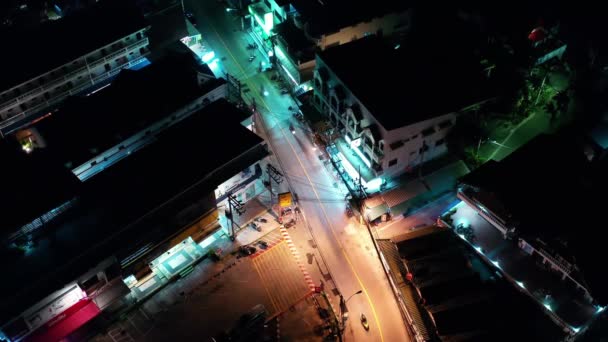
(302, 170)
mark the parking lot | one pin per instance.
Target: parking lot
(271, 276)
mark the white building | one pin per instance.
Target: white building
(67, 57)
(303, 27)
(388, 104)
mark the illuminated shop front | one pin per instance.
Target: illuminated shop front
(354, 168)
(207, 56)
(262, 23)
(177, 258)
(53, 318)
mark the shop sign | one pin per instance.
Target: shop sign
(285, 199)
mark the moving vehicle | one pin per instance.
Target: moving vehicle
(364, 322)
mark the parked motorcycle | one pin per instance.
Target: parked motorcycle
(349, 210)
(260, 219)
(255, 226)
(298, 116)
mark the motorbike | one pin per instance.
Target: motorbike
(260, 219)
(255, 226)
(252, 46)
(251, 58)
(292, 129)
(364, 322)
(298, 116)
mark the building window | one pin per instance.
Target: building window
(440, 142)
(392, 162)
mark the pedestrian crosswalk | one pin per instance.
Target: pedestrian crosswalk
(285, 280)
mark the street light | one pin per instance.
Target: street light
(343, 313)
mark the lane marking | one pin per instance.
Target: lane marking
(313, 188)
(334, 233)
(276, 308)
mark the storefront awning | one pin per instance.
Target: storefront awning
(66, 322)
(375, 212)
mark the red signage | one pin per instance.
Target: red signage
(66, 322)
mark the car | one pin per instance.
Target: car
(191, 18)
(287, 216)
(247, 250)
(263, 244)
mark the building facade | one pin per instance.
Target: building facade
(312, 19)
(385, 152)
(29, 97)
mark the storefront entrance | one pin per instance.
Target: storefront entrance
(177, 258)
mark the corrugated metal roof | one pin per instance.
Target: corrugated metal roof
(374, 201)
(399, 195)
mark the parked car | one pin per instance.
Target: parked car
(247, 250)
(287, 216)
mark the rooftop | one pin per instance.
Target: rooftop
(27, 191)
(542, 189)
(57, 42)
(328, 16)
(297, 43)
(87, 126)
(133, 203)
(465, 296)
(433, 81)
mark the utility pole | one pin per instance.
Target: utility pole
(238, 207)
(360, 187)
(273, 174)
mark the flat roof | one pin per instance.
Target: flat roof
(426, 82)
(489, 306)
(298, 45)
(133, 202)
(328, 16)
(86, 126)
(55, 43)
(545, 189)
(33, 184)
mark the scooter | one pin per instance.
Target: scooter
(349, 210)
(255, 226)
(298, 116)
(364, 322)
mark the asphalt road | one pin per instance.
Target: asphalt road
(345, 245)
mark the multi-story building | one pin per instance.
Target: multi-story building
(156, 97)
(67, 57)
(299, 28)
(393, 107)
(127, 230)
